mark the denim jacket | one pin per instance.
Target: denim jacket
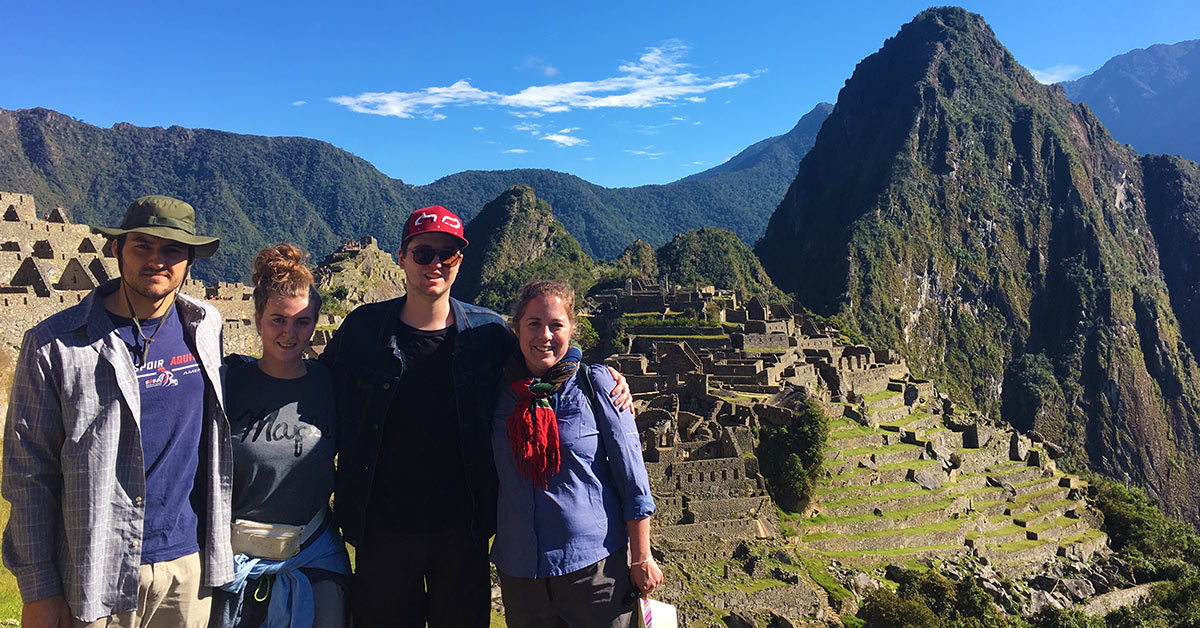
(363, 356)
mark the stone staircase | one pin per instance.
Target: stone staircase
(900, 486)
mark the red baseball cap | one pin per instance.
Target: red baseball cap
(430, 219)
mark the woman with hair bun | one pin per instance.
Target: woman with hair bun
(291, 563)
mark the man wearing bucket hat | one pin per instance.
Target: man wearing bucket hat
(415, 382)
(117, 458)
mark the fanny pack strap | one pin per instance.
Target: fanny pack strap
(314, 527)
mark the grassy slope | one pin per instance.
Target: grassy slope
(10, 598)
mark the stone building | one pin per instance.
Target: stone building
(48, 264)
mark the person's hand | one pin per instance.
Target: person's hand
(620, 393)
(646, 576)
(51, 612)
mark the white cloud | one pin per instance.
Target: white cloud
(696, 123)
(538, 65)
(570, 129)
(645, 152)
(678, 118)
(658, 77)
(476, 128)
(436, 116)
(1056, 73)
(408, 104)
(589, 159)
(564, 140)
(694, 163)
(528, 127)
(652, 129)
(299, 103)
(516, 151)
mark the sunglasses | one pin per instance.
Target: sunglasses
(425, 255)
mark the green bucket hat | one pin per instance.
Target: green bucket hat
(164, 217)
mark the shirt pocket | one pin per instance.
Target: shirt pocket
(577, 430)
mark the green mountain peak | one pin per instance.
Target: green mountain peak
(957, 209)
(516, 238)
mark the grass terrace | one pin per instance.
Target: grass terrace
(898, 512)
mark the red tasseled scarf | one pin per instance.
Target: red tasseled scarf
(533, 432)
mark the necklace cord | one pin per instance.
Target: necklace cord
(146, 340)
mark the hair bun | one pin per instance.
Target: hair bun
(280, 270)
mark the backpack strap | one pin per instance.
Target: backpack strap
(589, 389)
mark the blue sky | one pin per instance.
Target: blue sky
(619, 93)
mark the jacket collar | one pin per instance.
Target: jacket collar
(92, 315)
(462, 321)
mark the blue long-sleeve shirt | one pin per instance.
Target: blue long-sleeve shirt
(601, 484)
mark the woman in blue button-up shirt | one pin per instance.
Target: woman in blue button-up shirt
(574, 494)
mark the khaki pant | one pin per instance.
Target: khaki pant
(169, 596)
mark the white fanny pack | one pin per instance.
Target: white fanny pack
(273, 541)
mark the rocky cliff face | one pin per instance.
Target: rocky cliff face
(954, 207)
(515, 238)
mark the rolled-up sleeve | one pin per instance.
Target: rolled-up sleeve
(32, 475)
(624, 448)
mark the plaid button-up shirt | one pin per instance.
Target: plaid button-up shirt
(73, 467)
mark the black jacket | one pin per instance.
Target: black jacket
(363, 358)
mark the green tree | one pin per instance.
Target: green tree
(790, 456)
(1054, 618)
(884, 609)
(1155, 546)
(585, 334)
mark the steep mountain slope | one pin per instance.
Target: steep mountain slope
(1148, 97)
(514, 239)
(957, 209)
(714, 257)
(637, 261)
(786, 150)
(253, 191)
(1173, 211)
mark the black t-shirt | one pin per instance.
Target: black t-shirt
(420, 484)
(283, 443)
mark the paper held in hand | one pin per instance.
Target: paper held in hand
(655, 614)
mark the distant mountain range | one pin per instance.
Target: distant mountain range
(955, 208)
(254, 190)
(1148, 98)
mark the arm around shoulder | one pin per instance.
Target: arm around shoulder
(624, 448)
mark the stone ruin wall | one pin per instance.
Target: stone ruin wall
(17, 207)
(49, 265)
(721, 475)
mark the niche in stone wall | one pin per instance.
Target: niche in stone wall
(29, 274)
(99, 271)
(43, 250)
(75, 277)
(11, 246)
(59, 215)
(87, 246)
(10, 214)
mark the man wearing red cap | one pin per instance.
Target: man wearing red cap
(415, 379)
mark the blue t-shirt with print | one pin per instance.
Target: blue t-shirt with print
(172, 398)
